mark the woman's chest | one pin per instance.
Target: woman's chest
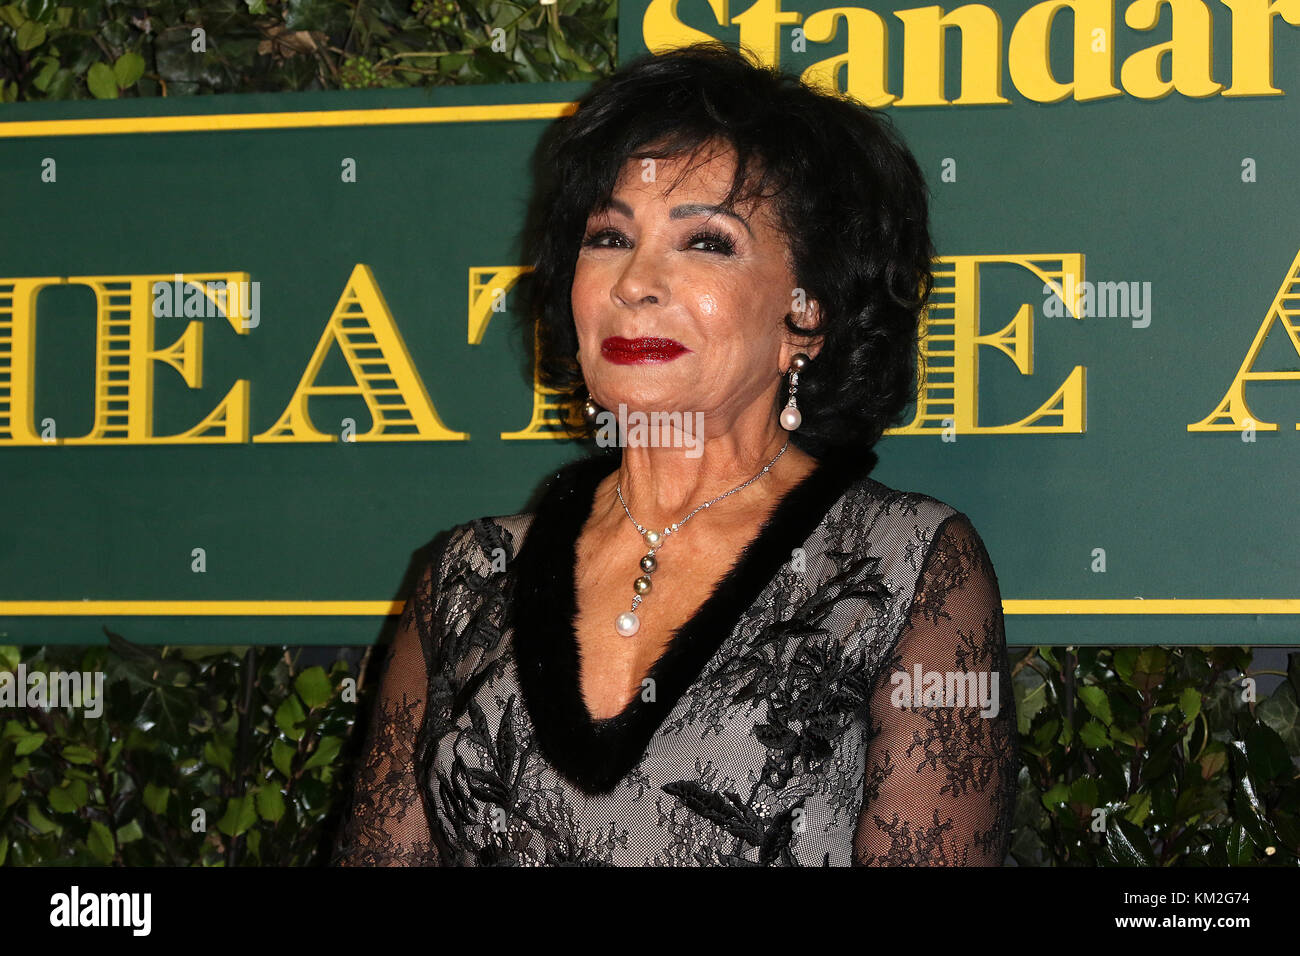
(614, 666)
(744, 747)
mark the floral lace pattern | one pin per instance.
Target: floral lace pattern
(794, 745)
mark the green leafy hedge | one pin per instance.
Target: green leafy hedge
(1155, 757)
(106, 48)
(1132, 757)
(202, 757)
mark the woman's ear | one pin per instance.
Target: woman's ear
(810, 318)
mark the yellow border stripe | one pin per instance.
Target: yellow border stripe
(203, 608)
(314, 119)
(1054, 606)
(1156, 606)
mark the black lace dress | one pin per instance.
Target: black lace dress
(842, 697)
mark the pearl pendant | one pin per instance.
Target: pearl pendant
(652, 538)
(627, 623)
(791, 418)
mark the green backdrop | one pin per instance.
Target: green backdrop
(1143, 190)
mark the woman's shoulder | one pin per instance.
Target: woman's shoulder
(899, 506)
(907, 521)
(484, 544)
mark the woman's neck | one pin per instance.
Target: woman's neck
(662, 485)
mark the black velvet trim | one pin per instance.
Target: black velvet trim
(596, 755)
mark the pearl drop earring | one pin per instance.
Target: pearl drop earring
(791, 417)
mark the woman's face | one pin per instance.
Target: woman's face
(664, 266)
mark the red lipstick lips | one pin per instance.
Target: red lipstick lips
(622, 351)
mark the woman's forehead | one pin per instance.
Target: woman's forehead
(684, 182)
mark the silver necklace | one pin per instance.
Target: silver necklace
(628, 623)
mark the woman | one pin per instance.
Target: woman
(727, 651)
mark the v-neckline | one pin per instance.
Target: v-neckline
(593, 753)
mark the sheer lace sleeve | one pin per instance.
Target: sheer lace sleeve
(942, 755)
(387, 825)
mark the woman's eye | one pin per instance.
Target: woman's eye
(720, 242)
(716, 242)
(595, 239)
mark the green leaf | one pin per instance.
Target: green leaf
(11, 15)
(562, 47)
(270, 803)
(1028, 703)
(1248, 809)
(326, 751)
(40, 821)
(1094, 735)
(241, 813)
(219, 755)
(102, 82)
(31, 35)
(28, 744)
(1123, 660)
(1138, 808)
(41, 10)
(1149, 669)
(1046, 733)
(324, 15)
(1059, 793)
(155, 798)
(1281, 713)
(1129, 844)
(1241, 850)
(288, 716)
(80, 792)
(282, 756)
(1189, 702)
(131, 831)
(75, 753)
(128, 68)
(1123, 736)
(10, 656)
(1098, 704)
(314, 687)
(100, 842)
(1084, 791)
(61, 800)
(1213, 760)
(1267, 753)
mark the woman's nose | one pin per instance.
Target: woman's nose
(642, 279)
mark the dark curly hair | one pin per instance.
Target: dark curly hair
(848, 196)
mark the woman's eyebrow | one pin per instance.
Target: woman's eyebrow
(686, 211)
